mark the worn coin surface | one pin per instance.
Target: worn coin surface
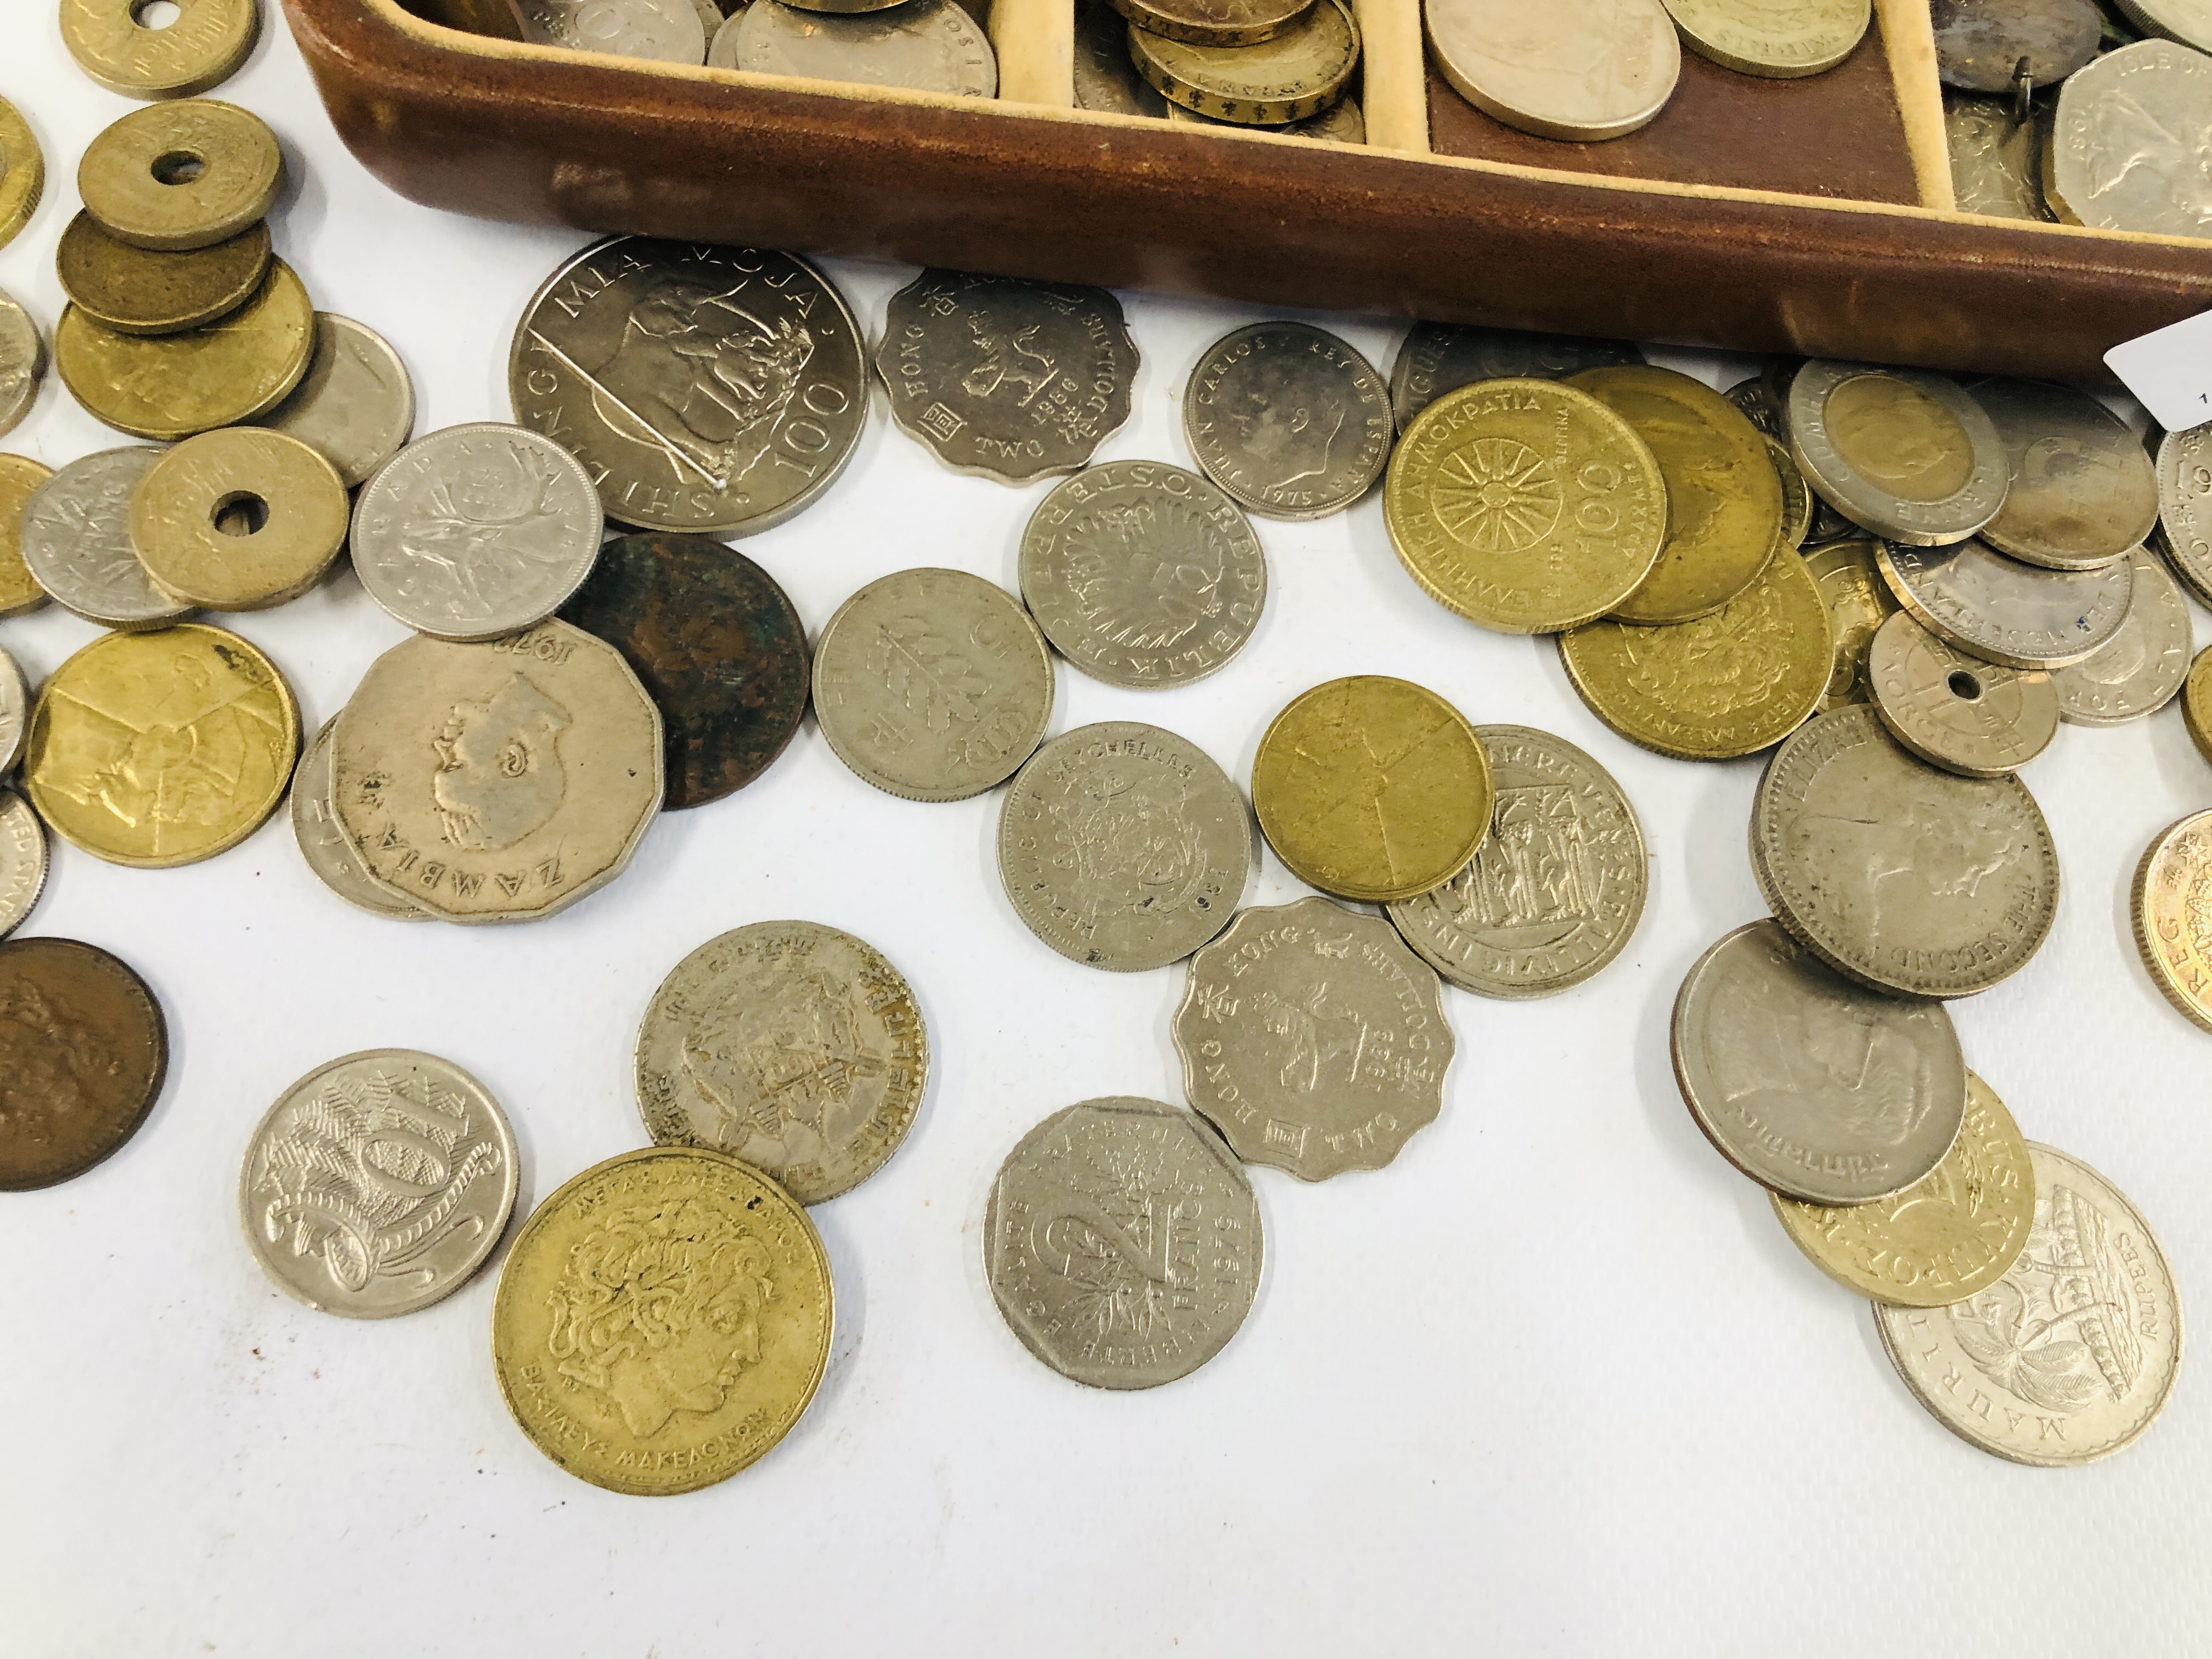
(1995, 166)
(136, 290)
(76, 543)
(1974, 718)
(22, 860)
(1105, 76)
(1215, 22)
(204, 44)
(20, 478)
(1979, 44)
(323, 844)
(1292, 75)
(1440, 357)
(2124, 150)
(23, 173)
(2139, 669)
(355, 405)
(1906, 453)
(1122, 1242)
(1341, 123)
(1578, 70)
(660, 31)
(2083, 491)
(2184, 465)
(22, 363)
(2172, 912)
(83, 1051)
(2196, 703)
(14, 712)
(2189, 22)
(1998, 608)
(1288, 419)
(291, 524)
(1781, 43)
(929, 46)
(176, 176)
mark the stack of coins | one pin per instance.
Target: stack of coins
(1281, 65)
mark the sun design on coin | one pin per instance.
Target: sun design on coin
(780, 1055)
(1496, 495)
(2057, 1330)
(1144, 576)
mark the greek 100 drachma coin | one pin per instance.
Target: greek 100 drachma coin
(1907, 454)
(378, 1183)
(2172, 905)
(2002, 611)
(22, 363)
(1290, 420)
(1581, 72)
(2082, 490)
(2122, 152)
(2141, 668)
(323, 843)
(355, 405)
(1974, 718)
(14, 712)
(1440, 357)
(22, 860)
(76, 543)
(928, 46)
(2184, 464)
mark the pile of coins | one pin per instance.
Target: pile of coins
(1283, 65)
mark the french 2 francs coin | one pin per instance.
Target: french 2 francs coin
(22, 363)
(2141, 668)
(1577, 69)
(706, 389)
(1440, 357)
(1122, 1242)
(1288, 419)
(1779, 43)
(20, 478)
(2082, 490)
(927, 45)
(355, 405)
(23, 861)
(1858, 603)
(657, 31)
(83, 1051)
(2122, 148)
(1974, 718)
(202, 46)
(2184, 464)
(377, 1184)
(323, 844)
(2002, 611)
(76, 531)
(1980, 43)
(1906, 453)
(2172, 902)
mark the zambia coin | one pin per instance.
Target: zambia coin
(1296, 73)
(1980, 43)
(713, 1260)
(76, 543)
(1105, 77)
(323, 844)
(1215, 22)
(2122, 151)
(660, 31)
(2173, 911)
(23, 173)
(83, 1051)
(1995, 166)
(930, 46)
(2002, 611)
(2083, 491)
(175, 177)
(20, 478)
(22, 860)
(22, 363)
(1957, 712)
(2189, 22)
(1908, 454)
(2071, 1355)
(290, 526)
(1006, 378)
(429, 1178)
(2196, 703)
(2139, 669)
(2184, 464)
(1577, 69)
(1779, 43)
(355, 405)
(1288, 419)
(134, 290)
(1122, 1243)
(1440, 357)
(204, 44)
(14, 712)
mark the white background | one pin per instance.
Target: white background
(1553, 1381)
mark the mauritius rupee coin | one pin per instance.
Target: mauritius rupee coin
(2141, 668)
(1441, 357)
(323, 844)
(1858, 602)
(2082, 489)
(1906, 453)
(2125, 150)
(22, 860)
(355, 406)
(1974, 718)
(1288, 419)
(2002, 611)
(76, 543)
(84, 1052)
(1583, 72)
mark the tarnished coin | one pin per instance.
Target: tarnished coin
(933, 685)
(176, 176)
(790, 1045)
(658, 31)
(663, 1320)
(22, 860)
(2004, 612)
(355, 405)
(23, 173)
(2189, 22)
(1995, 166)
(1578, 70)
(1292, 75)
(930, 46)
(323, 844)
(1105, 76)
(2083, 492)
(203, 45)
(1756, 402)
(76, 543)
(1440, 357)
(715, 389)
(1122, 1242)
(1341, 123)
(1906, 453)
(2173, 911)
(83, 1051)
(476, 531)
(238, 519)
(1215, 22)
(378, 1183)
(1796, 494)
(1979, 44)
(2122, 152)
(2196, 703)
(2184, 465)
(20, 478)
(22, 363)
(1288, 419)
(501, 781)
(2071, 1355)
(1313, 1039)
(1006, 378)
(1781, 43)
(1957, 712)
(1915, 881)
(2139, 669)
(136, 290)
(14, 712)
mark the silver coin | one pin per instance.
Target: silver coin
(1980, 45)
(2082, 490)
(1908, 454)
(14, 712)
(1556, 890)
(1440, 357)
(929, 46)
(2126, 146)
(1814, 1087)
(1143, 574)
(658, 31)
(2003, 612)
(1756, 399)
(1105, 76)
(2184, 465)
(2188, 21)
(1577, 69)
(709, 390)
(76, 543)
(1288, 419)
(710, 17)
(22, 362)
(1122, 1242)
(1006, 378)
(477, 531)
(933, 685)
(377, 1184)
(2141, 668)
(1995, 166)
(1314, 1039)
(355, 405)
(1915, 881)
(1974, 718)
(2071, 1356)
(323, 843)
(22, 860)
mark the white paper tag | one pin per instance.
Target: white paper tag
(2170, 372)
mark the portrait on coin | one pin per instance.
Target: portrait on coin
(1900, 438)
(780, 1055)
(498, 775)
(1283, 433)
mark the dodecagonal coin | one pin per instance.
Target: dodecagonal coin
(76, 543)
(134, 290)
(355, 405)
(1288, 419)
(1906, 453)
(23, 861)
(83, 1050)
(2002, 611)
(1974, 718)
(2082, 491)
(2141, 668)
(324, 845)
(1981, 44)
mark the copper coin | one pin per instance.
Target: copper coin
(83, 1049)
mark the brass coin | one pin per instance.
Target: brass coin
(23, 173)
(1372, 788)
(238, 519)
(204, 45)
(2196, 703)
(168, 386)
(177, 177)
(161, 749)
(2173, 902)
(134, 290)
(19, 590)
(83, 1051)
(663, 1320)
(1285, 78)
(1858, 603)
(1796, 494)
(1215, 22)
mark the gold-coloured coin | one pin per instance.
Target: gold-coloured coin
(238, 519)
(160, 749)
(19, 590)
(1858, 603)
(134, 290)
(23, 173)
(1951, 1234)
(663, 1320)
(2196, 703)
(1372, 788)
(1796, 494)
(2172, 910)
(1730, 683)
(168, 386)
(1285, 78)
(178, 177)
(1214, 22)
(204, 44)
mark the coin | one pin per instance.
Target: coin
(1979, 44)
(133, 290)
(14, 712)
(23, 862)
(1372, 788)
(83, 1050)
(20, 478)
(612, 360)
(1995, 168)
(23, 173)
(2188, 21)
(2184, 464)
(2121, 152)
(497, 782)
(789, 1045)
(204, 44)
(238, 519)
(1796, 494)
(2068, 1358)
(2139, 669)
(933, 685)
(1578, 70)
(1122, 1243)
(1523, 506)
(355, 406)
(1288, 419)
(1915, 881)
(663, 1320)
(1288, 76)
(1957, 712)
(1908, 454)
(2196, 703)
(176, 176)
(1440, 357)
(476, 531)
(1006, 378)
(1781, 43)
(377, 1184)
(1755, 401)
(1341, 123)
(2083, 491)
(930, 46)
(660, 31)
(76, 542)
(2002, 611)
(22, 363)
(1105, 78)
(2172, 892)
(1215, 22)
(323, 844)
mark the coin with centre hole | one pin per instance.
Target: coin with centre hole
(238, 519)
(202, 46)
(1975, 718)
(175, 177)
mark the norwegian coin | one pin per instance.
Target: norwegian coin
(930, 46)
(377, 1184)
(2124, 152)
(1288, 419)
(658, 31)
(2004, 612)
(2184, 464)
(2139, 669)
(1554, 891)
(1908, 454)
(288, 524)
(1578, 70)
(323, 844)
(2189, 22)
(83, 1050)
(933, 685)
(1781, 43)
(1006, 378)
(1957, 712)
(14, 712)
(1122, 1242)
(710, 1261)
(1525, 505)
(134, 290)
(1796, 494)
(1215, 22)
(718, 645)
(1915, 881)
(204, 44)
(497, 782)
(1105, 77)
(2083, 491)
(790, 1045)
(20, 478)
(1286, 78)
(715, 390)
(1979, 44)
(1858, 603)
(2196, 703)
(1994, 169)
(355, 405)
(1341, 123)
(22, 363)
(476, 531)
(1440, 357)
(23, 173)
(176, 176)
(2071, 1355)
(2172, 913)
(1143, 574)
(76, 543)
(1313, 1039)
(22, 860)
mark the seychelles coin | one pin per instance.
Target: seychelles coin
(2122, 153)
(933, 685)
(23, 173)
(1289, 76)
(1288, 419)
(1124, 847)
(323, 844)
(790, 1045)
(1555, 891)
(292, 524)
(1980, 43)
(377, 1184)
(1915, 881)
(204, 44)
(929, 46)
(2189, 22)
(176, 176)
(1578, 70)
(658, 31)
(20, 478)
(22, 363)
(1006, 378)
(663, 1320)
(1906, 453)
(1957, 712)
(476, 531)
(1215, 22)
(1441, 357)
(76, 543)
(2184, 465)
(14, 712)
(1341, 123)
(1809, 1085)
(2004, 612)
(2196, 703)
(2083, 491)
(1523, 506)
(1105, 77)
(83, 1050)
(22, 860)
(1796, 494)
(501, 781)
(716, 390)
(1122, 1242)
(355, 405)
(1781, 43)
(134, 290)
(1143, 574)
(2172, 912)
(1372, 788)
(2068, 1358)
(2139, 669)
(1995, 168)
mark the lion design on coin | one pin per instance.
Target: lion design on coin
(780, 1055)
(499, 773)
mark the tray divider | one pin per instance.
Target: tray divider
(1394, 74)
(1035, 40)
(1908, 36)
